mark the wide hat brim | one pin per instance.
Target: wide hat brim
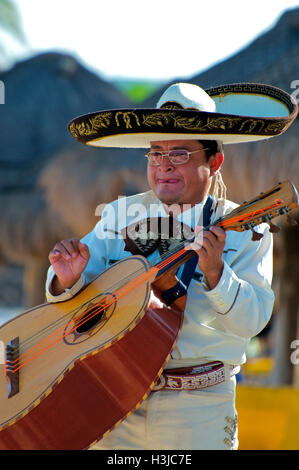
(246, 112)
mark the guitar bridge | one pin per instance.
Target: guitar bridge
(12, 368)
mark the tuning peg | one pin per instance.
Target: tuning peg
(273, 228)
(291, 221)
(256, 236)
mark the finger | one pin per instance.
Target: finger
(203, 236)
(208, 244)
(79, 248)
(54, 255)
(206, 241)
(218, 232)
(196, 245)
(75, 242)
(62, 249)
(210, 237)
(217, 239)
(84, 250)
(198, 231)
(197, 242)
(71, 247)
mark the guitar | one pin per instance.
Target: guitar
(71, 371)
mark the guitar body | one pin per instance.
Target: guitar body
(77, 382)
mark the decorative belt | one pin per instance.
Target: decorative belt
(193, 378)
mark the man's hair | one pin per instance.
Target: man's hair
(211, 146)
(219, 188)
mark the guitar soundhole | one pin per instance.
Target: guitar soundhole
(90, 319)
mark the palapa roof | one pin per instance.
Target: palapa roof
(42, 94)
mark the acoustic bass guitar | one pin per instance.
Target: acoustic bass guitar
(71, 371)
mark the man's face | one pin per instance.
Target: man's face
(182, 184)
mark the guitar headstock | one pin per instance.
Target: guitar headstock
(279, 200)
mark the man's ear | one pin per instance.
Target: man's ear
(216, 162)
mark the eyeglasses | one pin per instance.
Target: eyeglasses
(176, 157)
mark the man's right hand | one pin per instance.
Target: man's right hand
(69, 258)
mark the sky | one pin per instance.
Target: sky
(146, 39)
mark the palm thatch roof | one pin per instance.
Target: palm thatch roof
(42, 95)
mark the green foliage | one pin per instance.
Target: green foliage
(137, 90)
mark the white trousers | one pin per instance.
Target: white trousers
(203, 419)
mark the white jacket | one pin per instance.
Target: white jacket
(218, 323)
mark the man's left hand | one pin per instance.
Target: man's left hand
(209, 245)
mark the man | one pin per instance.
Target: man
(229, 295)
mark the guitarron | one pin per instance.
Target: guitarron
(71, 371)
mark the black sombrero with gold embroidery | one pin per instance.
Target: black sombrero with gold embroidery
(235, 113)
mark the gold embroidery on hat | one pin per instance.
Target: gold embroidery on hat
(222, 123)
(126, 115)
(252, 125)
(190, 123)
(158, 119)
(91, 126)
(277, 127)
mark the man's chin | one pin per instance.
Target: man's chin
(169, 199)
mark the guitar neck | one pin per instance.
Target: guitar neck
(174, 261)
(279, 200)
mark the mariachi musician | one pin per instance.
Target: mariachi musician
(229, 298)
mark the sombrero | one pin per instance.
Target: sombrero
(234, 113)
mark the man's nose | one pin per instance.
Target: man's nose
(166, 164)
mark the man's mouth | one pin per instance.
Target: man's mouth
(167, 180)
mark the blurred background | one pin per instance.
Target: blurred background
(60, 59)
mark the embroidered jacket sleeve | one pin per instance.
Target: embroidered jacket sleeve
(243, 299)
